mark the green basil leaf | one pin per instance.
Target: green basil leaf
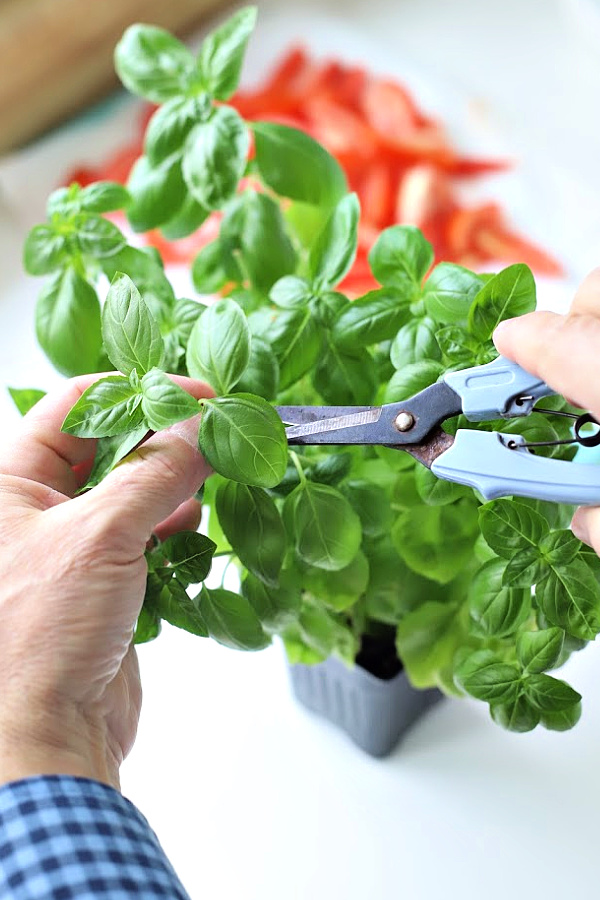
(371, 503)
(147, 626)
(509, 293)
(538, 651)
(526, 568)
(294, 165)
(326, 530)
(163, 402)
(186, 220)
(404, 491)
(518, 715)
(177, 608)
(222, 53)
(67, 322)
(436, 541)
(184, 316)
(341, 588)
(414, 342)
(290, 292)
(449, 292)
(45, 250)
(373, 318)
(103, 197)
(254, 228)
(332, 469)
(426, 641)
(570, 599)
(131, 334)
(496, 611)
(261, 375)
(231, 620)
(560, 547)
(324, 633)
(190, 556)
(277, 608)
(435, 491)
(110, 451)
(243, 438)
(411, 379)
(104, 409)
(328, 307)
(215, 156)
(509, 526)
(333, 253)
(63, 201)
(296, 340)
(152, 63)
(254, 528)
(486, 676)
(98, 237)
(297, 650)
(170, 125)
(550, 694)
(563, 719)
(400, 258)
(144, 267)
(25, 398)
(456, 344)
(208, 272)
(346, 378)
(157, 192)
(219, 346)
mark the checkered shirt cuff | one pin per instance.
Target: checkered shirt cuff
(63, 837)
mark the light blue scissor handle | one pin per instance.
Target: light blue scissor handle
(489, 392)
(484, 461)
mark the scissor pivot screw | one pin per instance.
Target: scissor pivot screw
(404, 421)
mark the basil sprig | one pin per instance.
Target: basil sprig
(488, 599)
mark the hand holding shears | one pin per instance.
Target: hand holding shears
(495, 464)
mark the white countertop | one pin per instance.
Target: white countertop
(251, 796)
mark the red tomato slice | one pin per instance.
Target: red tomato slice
(387, 108)
(502, 245)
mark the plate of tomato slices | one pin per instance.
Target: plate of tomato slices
(415, 149)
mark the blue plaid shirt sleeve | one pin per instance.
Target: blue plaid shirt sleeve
(63, 837)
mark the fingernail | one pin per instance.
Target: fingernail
(579, 527)
(501, 328)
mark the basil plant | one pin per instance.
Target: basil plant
(333, 546)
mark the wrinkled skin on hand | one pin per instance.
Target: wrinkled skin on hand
(72, 581)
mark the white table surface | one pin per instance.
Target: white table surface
(251, 796)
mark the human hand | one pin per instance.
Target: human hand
(565, 352)
(72, 582)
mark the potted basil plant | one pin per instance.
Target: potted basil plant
(370, 570)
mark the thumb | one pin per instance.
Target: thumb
(149, 484)
(562, 350)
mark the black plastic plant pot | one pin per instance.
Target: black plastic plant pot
(376, 713)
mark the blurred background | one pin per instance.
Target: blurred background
(250, 795)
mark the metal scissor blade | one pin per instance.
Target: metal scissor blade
(302, 415)
(338, 423)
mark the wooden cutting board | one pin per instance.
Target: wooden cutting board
(56, 56)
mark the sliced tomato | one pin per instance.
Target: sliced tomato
(464, 222)
(341, 130)
(424, 194)
(470, 167)
(396, 156)
(500, 244)
(387, 108)
(376, 194)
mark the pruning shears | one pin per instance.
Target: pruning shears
(495, 464)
